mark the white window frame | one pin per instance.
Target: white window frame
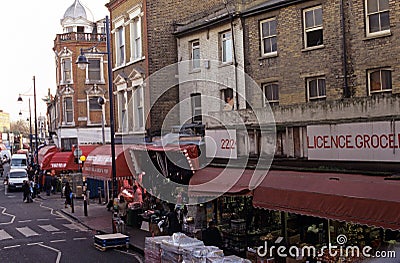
(120, 46)
(226, 42)
(195, 62)
(308, 80)
(196, 109)
(65, 111)
(367, 19)
(122, 111)
(380, 78)
(265, 99)
(313, 28)
(268, 37)
(136, 38)
(90, 81)
(138, 97)
(63, 79)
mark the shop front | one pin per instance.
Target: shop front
(45, 153)
(297, 209)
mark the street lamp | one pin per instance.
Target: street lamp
(34, 101)
(82, 63)
(30, 126)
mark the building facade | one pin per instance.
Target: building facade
(75, 116)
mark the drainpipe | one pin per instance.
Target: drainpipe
(346, 91)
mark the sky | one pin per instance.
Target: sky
(28, 32)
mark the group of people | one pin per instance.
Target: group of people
(3, 161)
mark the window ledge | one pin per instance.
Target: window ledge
(197, 70)
(135, 60)
(271, 55)
(95, 82)
(312, 48)
(225, 64)
(377, 35)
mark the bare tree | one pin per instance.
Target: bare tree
(20, 127)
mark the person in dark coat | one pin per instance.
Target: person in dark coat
(212, 236)
(67, 192)
(174, 226)
(47, 183)
(27, 191)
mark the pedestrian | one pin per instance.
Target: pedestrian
(68, 194)
(47, 183)
(53, 181)
(212, 236)
(26, 191)
(122, 208)
(5, 182)
(174, 226)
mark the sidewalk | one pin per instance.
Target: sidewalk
(99, 220)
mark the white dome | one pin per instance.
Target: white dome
(76, 10)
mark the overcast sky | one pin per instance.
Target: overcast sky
(28, 31)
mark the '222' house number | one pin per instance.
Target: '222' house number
(228, 144)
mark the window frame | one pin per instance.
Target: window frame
(313, 28)
(136, 38)
(120, 46)
(91, 103)
(66, 110)
(318, 97)
(195, 63)
(370, 72)
(100, 71)
(367, 20)
(265, 97)
(262, 37)
(224, 42)
(196, 118)
(138, 110)
(63, 70)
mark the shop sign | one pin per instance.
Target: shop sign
(367, 141)
(221, 144)
(58, 165)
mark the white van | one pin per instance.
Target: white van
(17, 178)
(19, 161)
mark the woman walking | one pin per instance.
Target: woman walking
(67, 193)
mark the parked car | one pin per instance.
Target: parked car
(16, 178)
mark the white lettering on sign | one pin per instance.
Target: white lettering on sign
(374, 141)
(58, 165)
(221, 144)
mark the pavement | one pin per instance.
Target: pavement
(99, 219)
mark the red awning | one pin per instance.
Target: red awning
(356, 198)
(211, 181)
(98, 163)
(66, 160)
(46, 150)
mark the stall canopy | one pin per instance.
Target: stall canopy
(368, 200)
(212, 181)
(45, 154)
(98, 163)
(66, 161)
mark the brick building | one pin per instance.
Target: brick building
(74, 113)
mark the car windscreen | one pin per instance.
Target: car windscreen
(18, 175)
(18, 162)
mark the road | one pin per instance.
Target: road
(36, 232)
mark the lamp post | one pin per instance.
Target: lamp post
(34, 102)
(30, 128)
(82, 63)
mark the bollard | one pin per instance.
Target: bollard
(99, 191)
(88, 196)
(85, 204)
(72, 204)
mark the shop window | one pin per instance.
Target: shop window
(313, 29)
(377, 17)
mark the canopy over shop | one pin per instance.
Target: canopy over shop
(45, 154)
(298, 207)
(65, 161)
